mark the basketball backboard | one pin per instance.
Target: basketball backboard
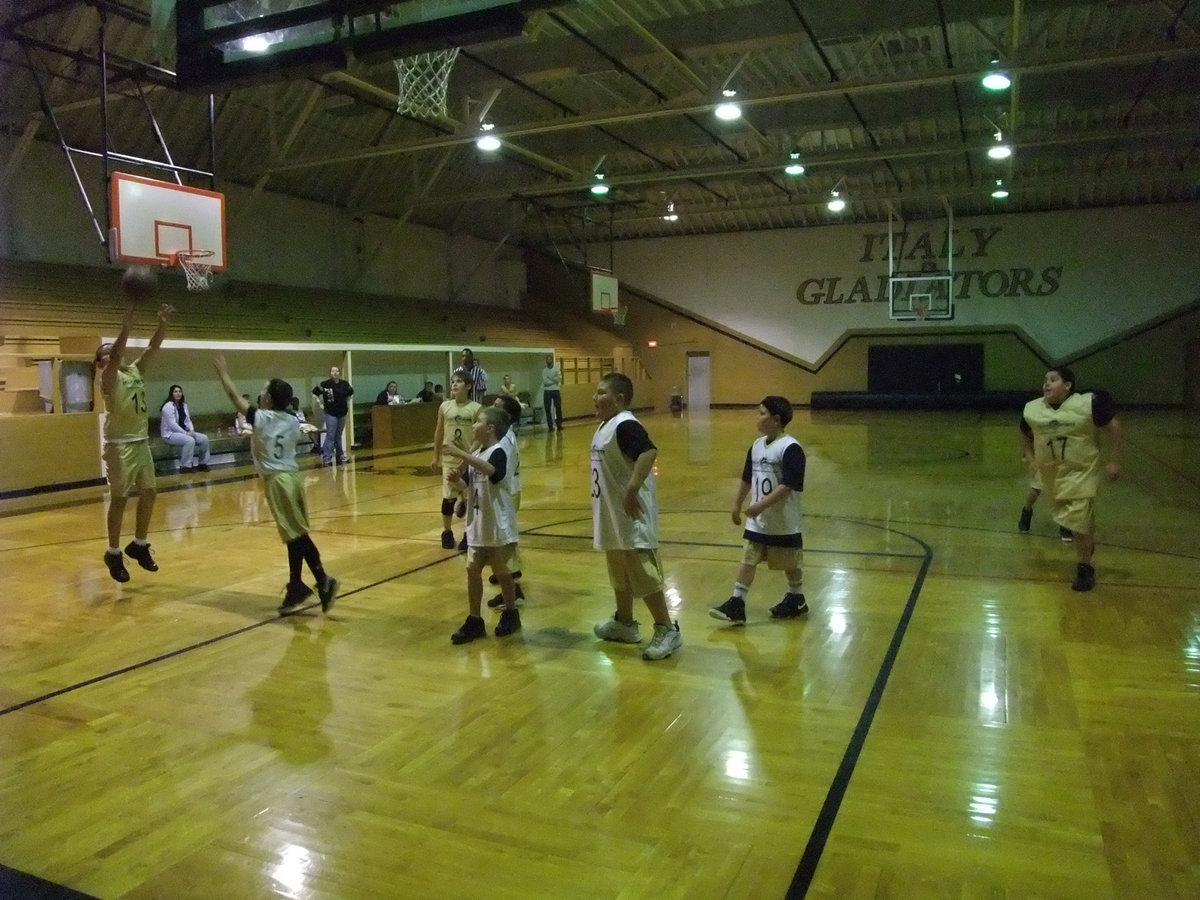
(225, 41)
(153, 219)
(604, 291)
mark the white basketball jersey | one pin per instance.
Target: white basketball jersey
(273, 441)
(766, 471)
(491, 519)
(612, 527)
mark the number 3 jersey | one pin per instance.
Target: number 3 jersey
(769, 464)
(273, 441)
(1064, 442)
(615, 448)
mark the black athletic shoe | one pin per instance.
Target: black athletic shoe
(1066, 535)
(732, 610)
(202, 468)
(791, 606)
(497, 602)
(447, 540)
(460, 508)
(1025, 521)
(116, 566)
(328, 591)
(1085, 577)
(294, 597)
(510, 623)
(493, 580)
(472, 629)
(462, 545)
(141, 554)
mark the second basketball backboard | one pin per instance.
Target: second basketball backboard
(153, 219)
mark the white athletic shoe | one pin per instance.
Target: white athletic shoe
(615, 630)
(666, 641)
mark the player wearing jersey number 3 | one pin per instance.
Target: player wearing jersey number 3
(1058, 432)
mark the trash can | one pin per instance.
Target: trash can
(676, 402)
(75, 382)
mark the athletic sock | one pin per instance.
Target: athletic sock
(740, 590)
(141, 542)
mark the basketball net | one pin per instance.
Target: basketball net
(423, 81)
(919, 310)
(196, 266)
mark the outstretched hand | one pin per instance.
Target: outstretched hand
(165, 312)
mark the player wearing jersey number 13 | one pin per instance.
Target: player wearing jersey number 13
(1059, 434)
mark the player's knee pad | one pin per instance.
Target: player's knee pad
(447, 507)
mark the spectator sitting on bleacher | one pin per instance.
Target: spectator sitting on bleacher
(307, 431)
(509, 389)
(240, 425)
(425, 395)
(390, 396)
(175, 427)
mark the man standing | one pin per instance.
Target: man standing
(552, 393)
(473, 374)
(334, 394)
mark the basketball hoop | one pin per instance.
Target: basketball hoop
(423, 81)
(919, 311)
(196, 266)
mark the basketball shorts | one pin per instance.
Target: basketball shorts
(637, 571)
(285, 497)
(130, 467)
(499, 558)
(777, 558)
(1077, 515)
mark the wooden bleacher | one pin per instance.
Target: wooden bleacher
(51, 299)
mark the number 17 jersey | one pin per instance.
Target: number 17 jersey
(769, 464)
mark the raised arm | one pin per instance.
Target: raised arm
(108, 379)
(231, 391)
(164, 314)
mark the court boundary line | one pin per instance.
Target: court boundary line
(806, 870)
(216, 639)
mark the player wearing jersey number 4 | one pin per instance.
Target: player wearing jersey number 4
(773, 478)
(1058, 431)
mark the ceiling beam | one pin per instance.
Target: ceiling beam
(675, 110)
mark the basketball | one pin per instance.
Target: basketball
(139, 282)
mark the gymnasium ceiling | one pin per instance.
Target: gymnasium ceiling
(881, 100)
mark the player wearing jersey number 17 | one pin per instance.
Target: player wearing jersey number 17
(1059, 433)
(773, 478)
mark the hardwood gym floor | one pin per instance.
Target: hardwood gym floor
(951, 720)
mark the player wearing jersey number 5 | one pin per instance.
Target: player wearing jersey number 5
(625, 519)
(273, 445)
(773, 478)
(1059, 431)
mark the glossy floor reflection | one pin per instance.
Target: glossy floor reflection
(969, 725)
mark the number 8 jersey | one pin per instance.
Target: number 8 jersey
(781, 461)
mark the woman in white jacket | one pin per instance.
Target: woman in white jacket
(176, 429)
